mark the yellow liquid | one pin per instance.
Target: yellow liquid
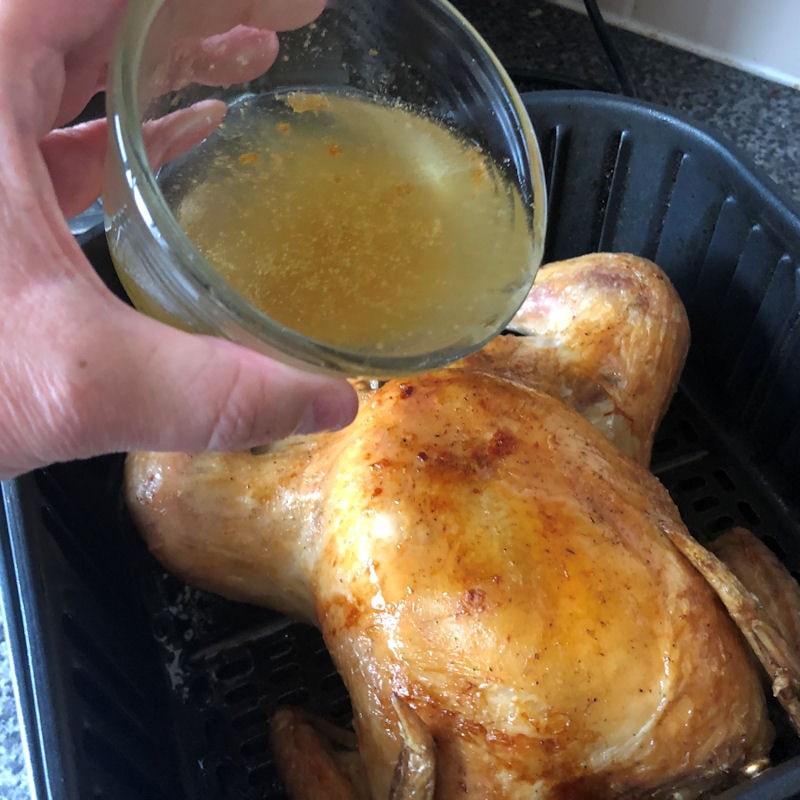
(360, 225)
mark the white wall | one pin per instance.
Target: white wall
(761, 36)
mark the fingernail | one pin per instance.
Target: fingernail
(179, 131)
(327, 414)
(308, 422)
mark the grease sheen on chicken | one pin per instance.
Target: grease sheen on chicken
(487, 555)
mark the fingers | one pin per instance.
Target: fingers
(63, 47)
(75, 156)
(84, 33)
(75, 159)
(239, 55)
(209, 18)
(235, 56)
(170, 136)
(230, 42)
(86, 57)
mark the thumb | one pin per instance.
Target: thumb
(150, 386)
(119, 381)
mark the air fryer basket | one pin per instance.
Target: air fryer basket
(134, 686)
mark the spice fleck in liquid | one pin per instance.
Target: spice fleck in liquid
(360, 225)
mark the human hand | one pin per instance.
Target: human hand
(82, 373)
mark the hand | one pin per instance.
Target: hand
(82, 373)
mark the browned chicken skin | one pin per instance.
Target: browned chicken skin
(488, 567)
(607, 334)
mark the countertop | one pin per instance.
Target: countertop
(551, 46)
(558, 48)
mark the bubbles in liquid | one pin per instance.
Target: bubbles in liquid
(358, 224)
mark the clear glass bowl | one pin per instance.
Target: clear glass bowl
(179, 65)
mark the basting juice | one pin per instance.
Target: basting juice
(359, 224)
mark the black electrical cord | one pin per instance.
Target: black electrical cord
(532, 79)
(612, 49)
(535, 80)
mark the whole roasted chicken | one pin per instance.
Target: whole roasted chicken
(509, 595)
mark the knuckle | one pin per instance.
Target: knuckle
(243, 418)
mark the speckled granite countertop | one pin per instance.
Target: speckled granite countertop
(760, 118)
(13, 773)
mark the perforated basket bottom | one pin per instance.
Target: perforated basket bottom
(231, 665)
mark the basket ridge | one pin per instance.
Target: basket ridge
(774, 331)
(126, 701)
(741, 301)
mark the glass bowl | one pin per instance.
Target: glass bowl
(362, 193)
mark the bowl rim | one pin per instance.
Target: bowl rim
(246, 323)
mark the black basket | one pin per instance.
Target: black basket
(134, 686)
